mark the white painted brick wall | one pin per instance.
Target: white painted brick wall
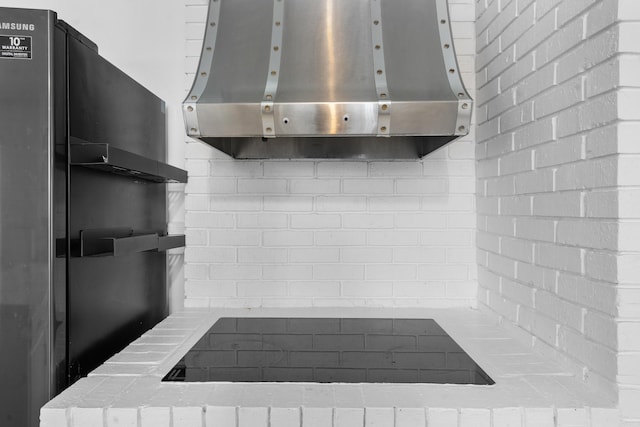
(628, 200)
(342, 233)
(557, 184)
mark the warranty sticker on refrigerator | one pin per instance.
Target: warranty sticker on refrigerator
(15, 47)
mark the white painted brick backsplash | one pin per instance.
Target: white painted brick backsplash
(314, 255)
(368, 220)
(338, 272)
(262, 220)
(235, 203)
(368, 186)
(340, 203)
(289, 169)
(341, 169)
(316, 186)
(313, 289)
(262, 186)
(264, 288)
(394, 204)
(286, 238)
(287, 272)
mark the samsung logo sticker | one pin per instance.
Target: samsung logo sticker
(17, 26)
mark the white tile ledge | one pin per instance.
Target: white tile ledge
(229, 416)
(530, 390)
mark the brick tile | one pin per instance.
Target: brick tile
(220, 416)
(253, 417)
(122, 417)
(187, 416)
(379, 417)
(82, 417)
(317, 417)
(475, 417)
(285, 417)
(155, 417)
(410, 417)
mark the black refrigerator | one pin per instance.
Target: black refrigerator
(83, 210)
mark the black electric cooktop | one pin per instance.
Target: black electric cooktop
(327, 350)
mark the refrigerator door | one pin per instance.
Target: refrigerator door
(28, 267)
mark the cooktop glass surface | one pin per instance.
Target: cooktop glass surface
(327, 350)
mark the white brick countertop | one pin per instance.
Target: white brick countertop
(529, 391)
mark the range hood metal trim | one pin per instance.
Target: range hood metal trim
(273, 75)
(207, 118)
(451, 63)
(433, 118)
(202, 73)
(383, 122)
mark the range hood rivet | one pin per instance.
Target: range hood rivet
(465, 106)
(203, 73)
(273, 73)
(276, 48)
(379, 72)
(267, 108)
(194, 97)
(269, 97)
(385, 107)
(209, 48)
(277, 23)
(443, 21)
(194, 130)
(377, 47)
(383, 95)
(269, 130)
(213, 24)
(452, 71)
(461, 95)
(376, 22)
(383, 128)
(189, 109)
(447, 45)
(461, 128)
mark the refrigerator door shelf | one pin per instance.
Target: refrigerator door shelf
(107, 158)
(125, 241)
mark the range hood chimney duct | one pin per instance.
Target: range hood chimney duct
(367, 79)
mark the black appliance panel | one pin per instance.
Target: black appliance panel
(112, 299)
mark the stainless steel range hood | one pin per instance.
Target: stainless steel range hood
(370, 79)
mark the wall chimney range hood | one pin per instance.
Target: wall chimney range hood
(366, 79)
